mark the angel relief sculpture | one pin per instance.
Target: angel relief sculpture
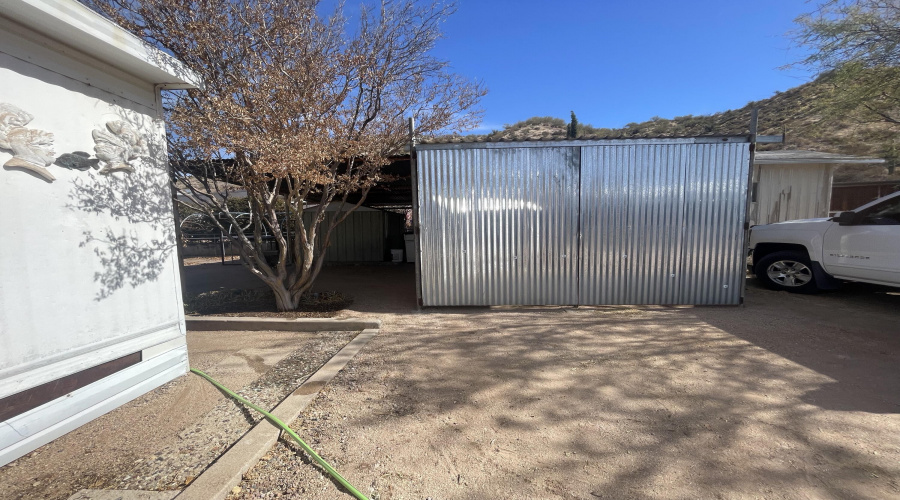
(117, 146)
(32, 149)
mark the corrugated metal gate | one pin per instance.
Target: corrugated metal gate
(583, 222)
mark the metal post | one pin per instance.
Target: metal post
(414, 178)
(222, 244)
(580, 250)
(754, 125)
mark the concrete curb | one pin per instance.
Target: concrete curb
(224, 474)
(220, 323)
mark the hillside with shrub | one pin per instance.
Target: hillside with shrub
(802, 114)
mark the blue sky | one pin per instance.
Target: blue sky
(615, 62)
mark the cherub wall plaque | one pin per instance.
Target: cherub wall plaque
(32, 149)
(118, 146)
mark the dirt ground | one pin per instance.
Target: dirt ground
(788, 397)
(166, 437)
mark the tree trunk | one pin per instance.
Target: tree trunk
(284, 299)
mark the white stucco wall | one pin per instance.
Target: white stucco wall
(88, 265)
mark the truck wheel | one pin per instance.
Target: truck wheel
(786, 270)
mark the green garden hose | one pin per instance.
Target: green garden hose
(275, 420)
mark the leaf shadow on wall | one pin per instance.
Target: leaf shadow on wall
(135, 238)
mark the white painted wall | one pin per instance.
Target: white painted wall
(88, 267)
(791, 192)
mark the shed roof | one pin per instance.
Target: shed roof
(77, 26)
(796, 156)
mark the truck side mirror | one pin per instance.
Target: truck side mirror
(847, 218)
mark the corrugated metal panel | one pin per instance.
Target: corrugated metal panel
(499, 225)
(605, 222)
(713, 252)
(632, 202)
(790, 192)
(360, 238)
(662, 224)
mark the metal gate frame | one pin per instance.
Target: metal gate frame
(529, 223)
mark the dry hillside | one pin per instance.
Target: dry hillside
(799, 113)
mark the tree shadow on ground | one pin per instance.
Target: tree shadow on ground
(620, 403)
(789, 395)
(373, 289)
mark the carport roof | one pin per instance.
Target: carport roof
(396, 191)
(797, 156)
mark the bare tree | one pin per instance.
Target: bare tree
(297, 107)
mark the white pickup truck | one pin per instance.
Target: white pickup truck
(806, 256)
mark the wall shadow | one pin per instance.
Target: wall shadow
(138, 247)
(851, 336)
(374, 288)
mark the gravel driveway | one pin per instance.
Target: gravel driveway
(788, 397)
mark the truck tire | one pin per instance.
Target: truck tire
(787, 270)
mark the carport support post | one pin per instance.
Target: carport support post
(754, 125)
(415, 209)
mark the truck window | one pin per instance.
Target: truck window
(886, 213)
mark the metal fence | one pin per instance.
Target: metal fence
(367, 235)
(583, 222)
(849, 195)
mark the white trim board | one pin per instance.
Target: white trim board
(26, 432)
(77, 26)
(20, 378)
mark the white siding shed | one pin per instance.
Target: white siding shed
(794, 184)
(90, 297)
